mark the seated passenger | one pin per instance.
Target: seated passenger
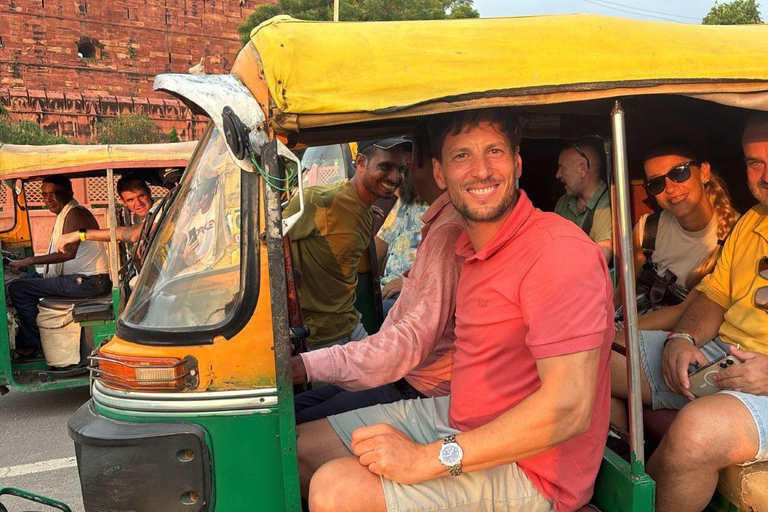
(411, 355)
(329, 239)
(136, 196)
(80, 271)
(587, 200)
(397, 240)
(527, 417)
(730, 310)
(680, 243)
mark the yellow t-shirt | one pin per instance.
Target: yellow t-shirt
(735, 280)
(328, 242)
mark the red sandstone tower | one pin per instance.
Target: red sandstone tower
(68, 64)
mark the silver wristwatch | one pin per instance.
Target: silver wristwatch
(451, 454)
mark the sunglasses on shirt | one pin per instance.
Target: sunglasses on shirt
(761, 294)
(678, 174)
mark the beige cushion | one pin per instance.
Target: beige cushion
(746, 486)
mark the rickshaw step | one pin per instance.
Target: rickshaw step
(51, 374)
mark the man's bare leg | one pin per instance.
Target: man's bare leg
(707, 435)
(317, 444)
(344, 485)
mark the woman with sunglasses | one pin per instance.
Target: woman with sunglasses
(696, 212)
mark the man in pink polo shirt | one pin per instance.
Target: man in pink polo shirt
(525, 426)
(411, 356)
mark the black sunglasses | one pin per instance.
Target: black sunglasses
(761, 294)
(678, 174)
(581, 153)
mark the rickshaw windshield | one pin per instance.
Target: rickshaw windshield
(191, 275)
(324, 164)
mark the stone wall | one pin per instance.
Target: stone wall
(68, 64)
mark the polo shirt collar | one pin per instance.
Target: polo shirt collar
(592, 203)
(761, 227)
(433, 212)
(519, 215)
(435, 208)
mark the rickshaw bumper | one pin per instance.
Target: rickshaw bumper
(140, 466)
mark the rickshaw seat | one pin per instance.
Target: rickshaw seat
(90, 309)
(657, 423)
(745, 486)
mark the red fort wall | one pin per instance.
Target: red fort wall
(68, 64)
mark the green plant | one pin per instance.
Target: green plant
(26, 132)
(737, 12)
(129, 129)
(131, 50)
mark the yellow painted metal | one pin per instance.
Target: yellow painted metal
(18, 161)
(245, 361)
(338, 69)
(20, 234)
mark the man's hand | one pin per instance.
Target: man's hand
(378, 219)
(188, 255)
(392, 287)
(678, 355)
(298, 370)
(388, 452)
(19, 266)
(66, 239)
(751, 376)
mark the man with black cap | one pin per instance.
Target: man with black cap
(329, 239)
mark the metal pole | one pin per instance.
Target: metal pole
(335, 10)
(112, 223)
(629, 299)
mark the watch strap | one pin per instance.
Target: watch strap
(82, 234)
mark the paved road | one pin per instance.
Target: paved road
(36, 454)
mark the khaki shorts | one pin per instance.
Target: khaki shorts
(503, 488)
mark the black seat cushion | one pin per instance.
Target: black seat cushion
(62, 303)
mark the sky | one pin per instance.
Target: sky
(681, 11)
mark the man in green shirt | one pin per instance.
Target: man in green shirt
(330, 238)
(587, 199)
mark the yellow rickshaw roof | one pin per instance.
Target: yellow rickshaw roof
(18, 161)
(324, 68)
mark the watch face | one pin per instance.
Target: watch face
(451, 454)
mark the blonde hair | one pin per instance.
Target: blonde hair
(717, 194)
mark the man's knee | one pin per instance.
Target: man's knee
(325, 491)
(16, 288)
(714, 431)
(343, 484)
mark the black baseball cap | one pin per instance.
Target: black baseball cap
(383, 143)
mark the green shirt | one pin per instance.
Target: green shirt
(328, 242)
(602, 225)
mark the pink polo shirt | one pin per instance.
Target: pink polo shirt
(416, 339)
(539, 289)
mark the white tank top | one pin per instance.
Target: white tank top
(680, 251)
(91, 259)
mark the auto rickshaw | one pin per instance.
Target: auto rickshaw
(23, 220)
(196, 385)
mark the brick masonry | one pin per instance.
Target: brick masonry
(43, 79)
